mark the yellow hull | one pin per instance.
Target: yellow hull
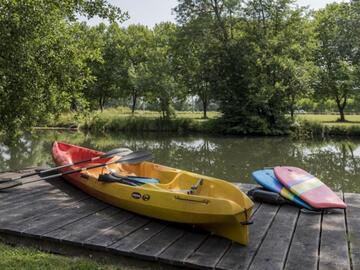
(216, 205)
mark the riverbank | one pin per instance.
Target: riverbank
(13, 258)
(121, 119)
(326, 125)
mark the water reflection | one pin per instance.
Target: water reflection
(336, 162)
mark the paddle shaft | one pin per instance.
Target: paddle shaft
(53, 169)
(135, 157)
(104, 155)
(78, 170)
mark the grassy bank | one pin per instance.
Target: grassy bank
(15, 258)
(314, 125)
(121, 119)
(330, 119)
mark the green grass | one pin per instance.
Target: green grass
(323, 125)
(330, 119)
(121, 119)
(18, 258)
(71, 119)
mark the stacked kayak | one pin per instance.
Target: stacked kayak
(161, 192)
(299, 187)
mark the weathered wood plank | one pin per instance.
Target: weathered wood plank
(333, 243)
(112, 235)
(56, 211)
(38, 206)
(91, 225)
(15, 197)
(353, 224)
(151, 248)
(305, 241)
(136, 238)
(183, 247)
(273, 250)
(209, 253)
(240, 257)
(53, 220)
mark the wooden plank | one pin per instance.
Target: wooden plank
(333, 243)
(353, 224)
(31, 189)
(136, 238)
(13, 199)
(154, 246)
(41, 204)
(209, 253)
(273, 250)
(114, 234)
(238, 256)
(39, 201)
(91, 225)
(53, 220)
(183, 247)
(24, 194)
(305, 241)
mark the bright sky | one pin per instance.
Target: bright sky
(150, 12)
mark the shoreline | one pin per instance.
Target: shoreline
(121, 120)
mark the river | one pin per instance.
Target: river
(335, 161)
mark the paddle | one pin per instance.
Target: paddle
(132, 158)
(108, 154)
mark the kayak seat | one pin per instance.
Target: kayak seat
(127, 180)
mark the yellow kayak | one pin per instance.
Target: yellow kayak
(161, 192)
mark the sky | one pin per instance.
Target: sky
(150, 12)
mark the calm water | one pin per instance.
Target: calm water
(335, 162)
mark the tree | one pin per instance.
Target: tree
(110, 68)
(281, 38)
(43, 58)
(160, 76)
(334, 55)
(256, 58)
(195, 63)
(136, 44)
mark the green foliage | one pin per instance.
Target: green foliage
(108, 69)
(43, 59)
(257, 61)
(137, 45)
(311, 129)
(334, 54)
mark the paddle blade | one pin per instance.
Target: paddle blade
(117, 151)
(136, 157)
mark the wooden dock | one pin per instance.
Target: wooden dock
(54, 216)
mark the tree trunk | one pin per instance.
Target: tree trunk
(342, 115)
(292, 106)
(205, 109)
(101, 104)
(292, 112)
(341, 107)
(133, 106)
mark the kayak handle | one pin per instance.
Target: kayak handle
(250, 222)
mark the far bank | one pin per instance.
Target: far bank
(121, 119)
